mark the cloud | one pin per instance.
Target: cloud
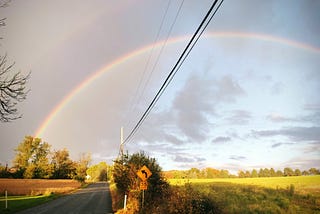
(277, 88)
(293, 133)
(237, 157)
(277, 118)
(280, 144)
(239, 117)
(187, 158)
(313, 148)
(197, 99)
(221, 139)
(312, 107)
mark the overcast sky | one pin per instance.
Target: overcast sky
(246, 97)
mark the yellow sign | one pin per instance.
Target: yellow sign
(144, 173)
(143, 185)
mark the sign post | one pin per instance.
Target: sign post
(144, 173)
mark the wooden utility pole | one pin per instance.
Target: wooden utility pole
(121, 142)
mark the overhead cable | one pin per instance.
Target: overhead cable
(203, 25)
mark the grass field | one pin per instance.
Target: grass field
(302, 184)
(250, 195)
(37, 186)
(25, 193)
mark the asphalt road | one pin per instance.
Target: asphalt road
(95, 199)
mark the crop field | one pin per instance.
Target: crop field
(25, 193)
(252, 195)
(33, 187)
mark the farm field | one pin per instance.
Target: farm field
(253, 195)
(25, 193)
(37, 186)
(302, 184)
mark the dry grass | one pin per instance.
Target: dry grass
(37, 186)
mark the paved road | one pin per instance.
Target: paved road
(93, 199)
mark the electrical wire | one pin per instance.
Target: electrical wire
(205, 22)
(148, 61)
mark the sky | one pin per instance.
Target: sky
(246, 97)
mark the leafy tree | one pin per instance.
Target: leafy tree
(32, 158)
(314, 171)
(193, 173)
(297, 172)
(99, 172)
(279, 173)
(254, 173)
(12, 85)
(63, 166)
(272, 172)
(124, 175)
(241, 174)
(82, 166)
(288, 171)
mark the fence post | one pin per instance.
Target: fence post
(125, 202)
(6, 196)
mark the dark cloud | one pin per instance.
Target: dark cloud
(221, 139)
(188, 159)
(237, 157)
(293, 133)
(197, 99)
(280, 144)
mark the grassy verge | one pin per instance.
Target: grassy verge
(17, 203)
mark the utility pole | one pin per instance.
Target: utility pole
(121, 142)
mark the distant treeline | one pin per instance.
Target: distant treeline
(195, 173)
(34, 159)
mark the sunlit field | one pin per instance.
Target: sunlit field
(25, 193)
(254, 195)
(34, 187)
(302, 184)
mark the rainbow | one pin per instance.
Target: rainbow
(242, 35)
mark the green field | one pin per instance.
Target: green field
(252, 195)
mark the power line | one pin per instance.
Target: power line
(203, 25)
(148, 60)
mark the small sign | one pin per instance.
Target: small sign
(143, 185)
(144, 173)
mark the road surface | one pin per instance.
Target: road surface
(94, 199)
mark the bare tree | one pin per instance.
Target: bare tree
(12, 85)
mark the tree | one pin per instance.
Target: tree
(288, 171)
(12, 85)
(125, 177)
(279, 173)
(254, 173)
(63, 166)
(32, 158)
(82, 166)
(99, 172)
(314, 171)
(297, 172)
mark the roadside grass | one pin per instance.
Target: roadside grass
(18, 203)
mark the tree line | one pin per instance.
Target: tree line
(208, 173)
(34, 159)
